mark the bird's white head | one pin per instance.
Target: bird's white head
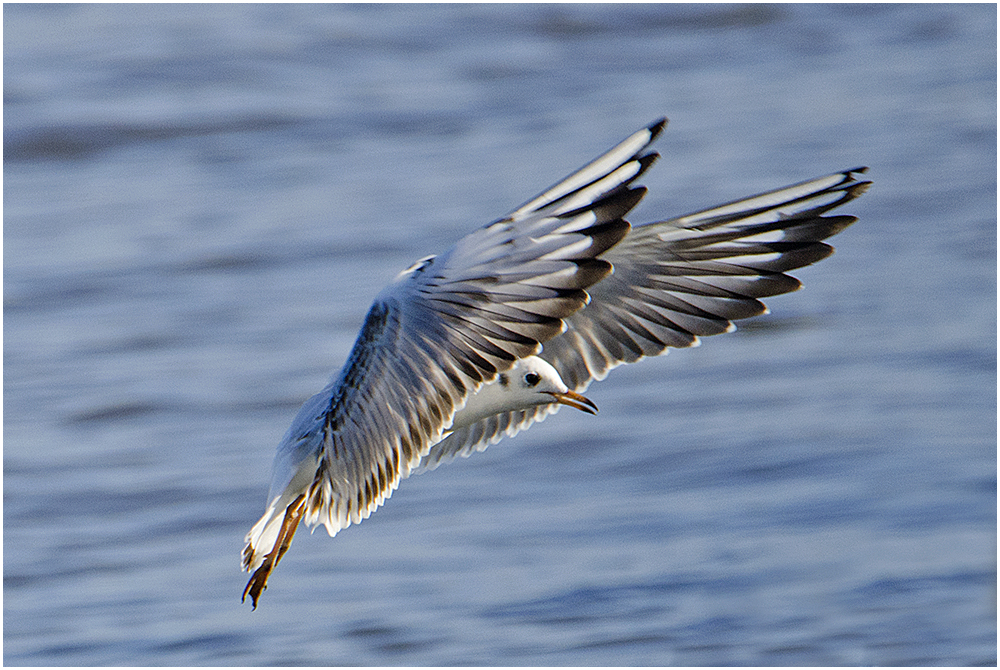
(530, 383)
(533, 381)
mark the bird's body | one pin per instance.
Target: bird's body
(518, 318)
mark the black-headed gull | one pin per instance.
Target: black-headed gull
(518, 318)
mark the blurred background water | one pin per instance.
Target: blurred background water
(202, 200)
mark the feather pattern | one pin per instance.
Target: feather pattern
(487, 338)
(447, 325)
(678, 280)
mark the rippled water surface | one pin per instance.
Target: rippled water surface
(201, 201)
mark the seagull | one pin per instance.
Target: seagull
(518, 318)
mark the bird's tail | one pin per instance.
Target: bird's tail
(269, 533)
(264, 535)
(261, 538)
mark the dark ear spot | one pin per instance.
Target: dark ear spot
(504, 380)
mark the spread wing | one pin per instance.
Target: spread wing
(688, 277)
(477, 437)
(451, 323)
(677, 280)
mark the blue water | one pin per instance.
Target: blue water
(201, 201)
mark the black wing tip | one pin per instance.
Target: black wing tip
(856, 187)
(860, 188)
(853, 191)
(838, 224)
(656, 127)
(645, 161)
(613, 205)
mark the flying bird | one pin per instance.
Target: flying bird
(518, 318)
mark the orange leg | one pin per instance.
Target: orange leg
(258, 582)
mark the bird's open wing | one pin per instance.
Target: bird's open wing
(677, 280)
(453, 322)
(477, 437)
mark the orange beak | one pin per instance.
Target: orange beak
(575, 400)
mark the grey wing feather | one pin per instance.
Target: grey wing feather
(453, 322)
(688, 277)
(677, 280)
(477, 437)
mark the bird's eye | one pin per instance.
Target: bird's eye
(532, 379)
